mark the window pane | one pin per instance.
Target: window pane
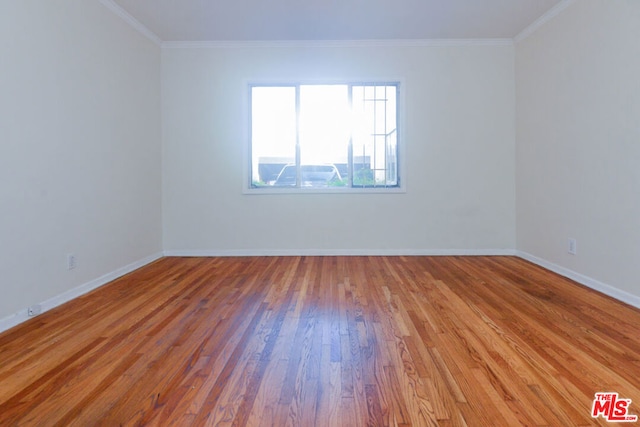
(392, 114)
(325, 130)
(322, 136)
(374, 137)
(273, 132)
(392, 158)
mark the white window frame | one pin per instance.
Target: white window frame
(248, 188)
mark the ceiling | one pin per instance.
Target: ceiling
(267, 20)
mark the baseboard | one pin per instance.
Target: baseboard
(22, 316)
(339, 252)
(596, 285)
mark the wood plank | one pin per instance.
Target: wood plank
(324, 341)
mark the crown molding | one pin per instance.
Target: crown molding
(233, 44)
(137, 25)
(548, 16)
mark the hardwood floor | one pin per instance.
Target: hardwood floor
(324, 341)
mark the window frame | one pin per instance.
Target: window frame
(248, 186)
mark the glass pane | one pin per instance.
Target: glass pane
(391, 108)
(391, 136)
(325, 130)
(374, 137)
(392, 158)
(273, 133)
(327, 124)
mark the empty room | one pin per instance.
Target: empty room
(319, 213)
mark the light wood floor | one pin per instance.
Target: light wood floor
(323, 341)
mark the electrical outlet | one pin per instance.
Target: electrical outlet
(34, 310)
(572, 249)
(71, 261)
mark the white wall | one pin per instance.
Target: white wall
(578, 142)
(459, 135)
(80, 152)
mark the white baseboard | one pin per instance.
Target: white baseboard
(340, 252)
(620, 295)
(22, 316)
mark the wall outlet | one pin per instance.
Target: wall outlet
(71, 261)
(572, 248)
(34, 310)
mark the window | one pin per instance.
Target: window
(311, 136)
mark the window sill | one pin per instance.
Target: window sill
(380, 190)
